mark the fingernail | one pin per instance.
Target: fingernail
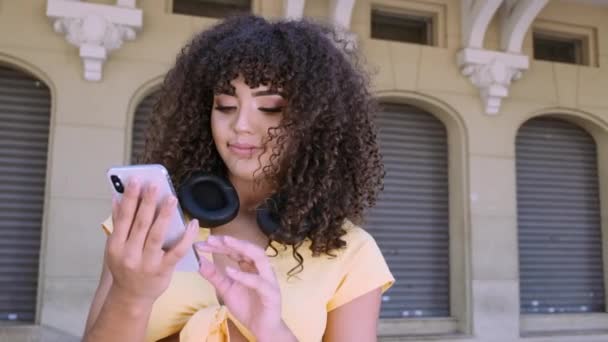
(231, 270)
(203, 261)
(172, 200)
(133, 182)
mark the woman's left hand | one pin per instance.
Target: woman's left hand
(252, 292)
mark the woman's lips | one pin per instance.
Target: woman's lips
(243, 150)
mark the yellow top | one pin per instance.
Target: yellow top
(190, 305)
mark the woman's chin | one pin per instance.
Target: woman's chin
(245, 175)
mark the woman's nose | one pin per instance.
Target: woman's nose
(243, 119)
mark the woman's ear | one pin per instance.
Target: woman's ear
(209, 198)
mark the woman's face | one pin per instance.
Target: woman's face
(240, 124)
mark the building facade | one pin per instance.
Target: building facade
(494, 131)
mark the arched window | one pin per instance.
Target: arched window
(25, 106)
(560, 243)
(411, 219)
(140, 122)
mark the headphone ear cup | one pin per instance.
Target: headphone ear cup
(212, 200)
(267, 216)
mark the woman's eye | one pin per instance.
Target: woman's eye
(271, 110)
(225, 109)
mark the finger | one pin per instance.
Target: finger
(112, 243)
(157, 231)
(245, 264)
(268, 292)
(254, 253)
(214, 247)
(143, 219)
(115, 209)
(218, 242)
(209, 271)
(178, 251)
(125, 211)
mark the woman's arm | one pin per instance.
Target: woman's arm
(121, 318)
(356, 320)
(140, 269)
(105, 282)
(112, 316)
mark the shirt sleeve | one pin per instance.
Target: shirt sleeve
(364, 270)
(107, 225)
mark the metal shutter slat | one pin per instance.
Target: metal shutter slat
(140, 121)
(24, 132)
(560, 250)
(410, 220)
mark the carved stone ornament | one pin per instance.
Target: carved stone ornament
(96, 29)
(492, 72)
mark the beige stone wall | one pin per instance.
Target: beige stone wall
(91, 124)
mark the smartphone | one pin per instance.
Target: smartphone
(148, 174)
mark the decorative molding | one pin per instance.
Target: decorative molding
(492, 72)
(516, 18)
(293, 9)
(340, 12)
(125, 3)
(349, 38)
(476, 16)
(96, 29)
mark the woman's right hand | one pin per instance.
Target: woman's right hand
(141, 269)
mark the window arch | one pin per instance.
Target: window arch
(559, 220)
(25, 106)
(410, 221)
(140, 122)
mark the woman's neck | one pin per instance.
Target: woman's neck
(250, 193)
(244, 225)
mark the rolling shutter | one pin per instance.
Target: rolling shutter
(140, 122)
(410, 220)
(560, 243)
(24, 133)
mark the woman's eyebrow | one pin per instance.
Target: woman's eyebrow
(267, 92)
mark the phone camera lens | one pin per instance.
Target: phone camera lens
(117, 184)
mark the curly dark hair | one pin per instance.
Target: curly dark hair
(326, 162)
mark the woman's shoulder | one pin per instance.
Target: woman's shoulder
(355, 233)
(356, 237)
(362, 267)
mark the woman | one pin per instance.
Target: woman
(275, 108)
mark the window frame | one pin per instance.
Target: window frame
(255, 9)
(587, 36)
(580, 58)
(436, 12)
(426, 19)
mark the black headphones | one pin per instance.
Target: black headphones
(213, 201)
